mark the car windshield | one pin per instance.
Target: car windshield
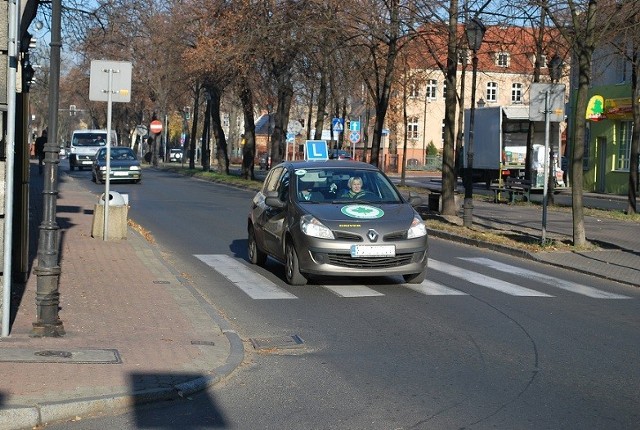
(117, 154)
(330, 185)
(89, 139)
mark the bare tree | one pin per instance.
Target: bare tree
(581, 24)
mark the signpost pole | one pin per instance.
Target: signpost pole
(107, 180)
(546, 167)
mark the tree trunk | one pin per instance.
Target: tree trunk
(218, 131)
(635, 139)
(283, 76)
(322, 106)
(578, 143)
(449, 179)
(249, 147)
(206, 151)
(194, 128)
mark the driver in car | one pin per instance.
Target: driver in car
(355, 190)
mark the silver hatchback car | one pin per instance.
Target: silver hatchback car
(342, 218)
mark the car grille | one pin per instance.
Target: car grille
(350, 237)
(345, 260)
(398, 235)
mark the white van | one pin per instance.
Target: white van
(83, 147)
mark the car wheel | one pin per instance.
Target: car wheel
(292, 268)
(255, 255)
(415, 278)
(71, 167)
(93, 177)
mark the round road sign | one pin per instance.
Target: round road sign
(155, 126)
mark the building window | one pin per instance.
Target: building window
(432, 89)
(624, 145)
(412, 128)
(492, 92)
(516, 93)
(414, 91)
(502, 59)
(444, 90)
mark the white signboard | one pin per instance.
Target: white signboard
(118, 72)
(556, 102)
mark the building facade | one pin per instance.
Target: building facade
(506, 66)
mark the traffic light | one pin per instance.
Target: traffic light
(187, 112)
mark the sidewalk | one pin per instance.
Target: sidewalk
(617, 257)
(135, 331)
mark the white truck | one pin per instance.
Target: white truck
(499, 145)
(83, 146)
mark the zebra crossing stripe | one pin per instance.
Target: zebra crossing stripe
(254, 285)
(352, 291)
(431, 288)
(485, 281)
(546, 279)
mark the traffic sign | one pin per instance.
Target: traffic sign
(337, 124)
(291, 137)
(354, 125)
(294, 127)
(354, 137)
(316, 150)
(155, 126)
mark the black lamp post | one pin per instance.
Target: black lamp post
(475, 33)
(48, 323)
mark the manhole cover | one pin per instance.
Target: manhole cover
(61, 354)
(284, 342)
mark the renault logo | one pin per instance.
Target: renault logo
(372, 235)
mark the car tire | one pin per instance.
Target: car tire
(71, 167)
(292, 267)
(415, 278)
(256, 256)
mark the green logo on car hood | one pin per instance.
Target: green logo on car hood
(362, 211)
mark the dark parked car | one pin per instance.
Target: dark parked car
(339, 154)
(124, 165)
(309, 217)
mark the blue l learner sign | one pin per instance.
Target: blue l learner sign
(316, 150)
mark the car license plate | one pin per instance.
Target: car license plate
(87, 162)
(120, 173)
(373, 250)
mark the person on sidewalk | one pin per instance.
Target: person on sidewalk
(40, 142)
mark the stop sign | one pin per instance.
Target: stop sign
(155, 126)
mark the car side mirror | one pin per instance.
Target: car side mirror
(271, 199)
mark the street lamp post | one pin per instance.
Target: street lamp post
(475, 32)
(555, 69)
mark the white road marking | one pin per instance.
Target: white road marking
(352, 291)
(254, 285)
(546, 279)
(431, 288)
(485, 281)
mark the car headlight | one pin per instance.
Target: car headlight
(417, 229)
(134, 168)
(314, 228)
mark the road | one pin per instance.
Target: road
(488, 341)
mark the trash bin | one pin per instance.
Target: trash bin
(434, 202)
(117, 219)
